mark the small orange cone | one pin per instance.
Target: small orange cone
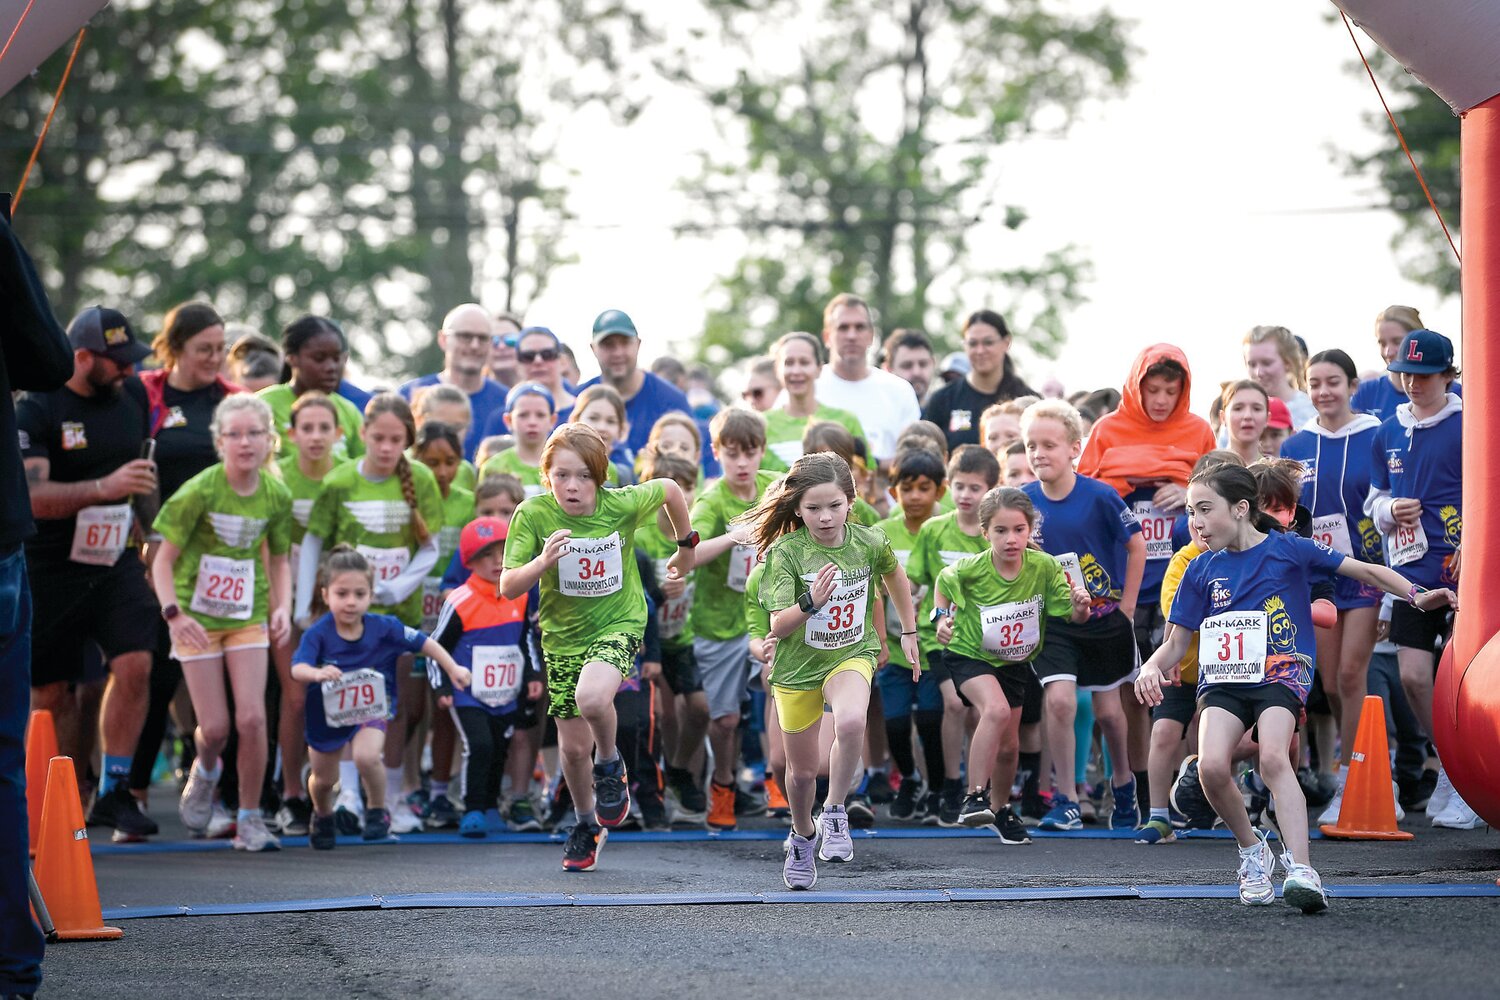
(64, 868)
(1369, 809)
(41, 747)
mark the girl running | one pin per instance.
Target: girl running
(530, 415)
(352, 656)
(574, 540)
(1249, 600)
(217, 607)
(820, 572)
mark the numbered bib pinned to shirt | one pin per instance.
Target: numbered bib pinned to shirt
(496, 672)
(386, 564)
(1012, 631)
(841, 621)
(741, 562)
(100, 533)
(1072, 569)
(672, 616)
(1332, 530)
(225, 588)
(1407, 544)
(1156, 528)
(1232, 648)
(432, 603)
(356, 698)
(591, 567)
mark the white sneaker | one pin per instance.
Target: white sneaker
(196, 806)
(349, 812)
(1257, 865)
(1304, 889)
(403, 820)
(1396, 795)
(222, 824)
(252, 835)
(1331, 814)
(1437, 804)
(834, 842)
(1457, 815)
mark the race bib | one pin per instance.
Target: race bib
(356, 698)
(841, 621)
(1333, 531)
(1406, 544)
(1156, 528)
(225, 588)
(591, 567)
(432, 603)
(1232, 648)
(741, 562)
(100, 533)
(1072, 569)
(386, 564)
(787, 451)
(672, 616)
(497, 674)
(1012, 631)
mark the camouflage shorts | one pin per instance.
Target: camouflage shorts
(615, 648)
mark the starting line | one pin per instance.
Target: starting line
(488, 900)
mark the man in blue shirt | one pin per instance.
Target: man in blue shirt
(466, 337)
(617, 348)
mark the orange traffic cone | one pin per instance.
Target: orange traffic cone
(1369, 809)
(64, 868)
(41, 747)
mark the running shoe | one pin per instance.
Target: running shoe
(1257, 865)
(611, 792)
(1457, 815)
(861, 811)
(799, 871)
(1330, 814)
(1156, 831)
(585, 841)
(1318, 787)
(1034, 806)
(404, 820)
(121, 810)
(1012, 831)
(654, 815)
(834, 842)
(221, 824)
(442, 814)
(904, 805)
(721, 811)
(1125, 814)
(776, 803)
(294, 817)
(347, 812)
(692, 805)
(929, 808)
(951, 804)
(1098, 793)
(420, 802)
(1302, 889)
(1063, 815)
(196, 807)
(473, 825)
(377, 824)
(251, 835)
(323, 836)
(1442, 793)
(1396, 794)
(878, 787)
(746, 804)
(521, 816)
(976, 809)
(1187, 796)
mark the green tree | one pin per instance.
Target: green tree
(867, 134)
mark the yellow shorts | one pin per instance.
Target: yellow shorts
(797, 710)
(225, 640)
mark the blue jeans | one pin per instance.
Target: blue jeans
(20, 938)
(1400, 721)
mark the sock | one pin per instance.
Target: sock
(349, 778)
(116, 772)
(602, 757)
(439, 789)
(394, 776)
(1142, 790)
(1030, 772)
(247, 814)
(1161, 814)
(953, 785)
(205, 773)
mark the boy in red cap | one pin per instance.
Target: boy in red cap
(499, 642)
(1278, 427)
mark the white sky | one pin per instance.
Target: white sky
(1199, 197)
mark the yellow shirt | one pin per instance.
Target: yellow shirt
(1169, 584)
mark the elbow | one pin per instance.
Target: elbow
(507, 587)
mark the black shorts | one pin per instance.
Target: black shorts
(1012, 676)
(1247, 703)
(1177, 705)
(679, 668)
(1414, 628)
(937, 665)
(1149, 629)
(114, 609)
(1099, 655)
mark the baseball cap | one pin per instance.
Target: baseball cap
(1279, 415)
(478, 534)
(529, 389)
(1423, 352)
(956, 363)
(613, 321)
(107, 332)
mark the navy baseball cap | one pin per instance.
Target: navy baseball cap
(107, 332)
(1423, 352)
(612, 321)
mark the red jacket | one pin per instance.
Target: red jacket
(155, 384)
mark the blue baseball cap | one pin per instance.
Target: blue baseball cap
(1423, 352)
(524, 389)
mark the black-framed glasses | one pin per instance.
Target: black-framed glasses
(545, 354)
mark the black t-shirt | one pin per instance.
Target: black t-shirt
(184, 443)
(82, 438)
(956, 407)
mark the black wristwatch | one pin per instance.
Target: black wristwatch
(690, 542)
(170, 611)
(805, 602)
(938, 614)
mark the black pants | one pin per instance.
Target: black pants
(639, 739)
(20, 938)
(486, 745)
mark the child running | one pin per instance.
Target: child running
(574, 540)
(821, 570)
(352, 655)
(1249, 600)
(217, 605)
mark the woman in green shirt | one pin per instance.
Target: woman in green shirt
(799, 359)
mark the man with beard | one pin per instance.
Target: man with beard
(82, 450)
(617, 348)
(466, 338)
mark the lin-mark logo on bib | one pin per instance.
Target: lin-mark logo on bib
(591, 567)
(380, 517)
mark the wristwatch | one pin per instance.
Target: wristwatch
(170, 611)
(939, 614)
(805, 602)
(1414, 593)
(690, 542)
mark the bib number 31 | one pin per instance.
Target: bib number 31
(1232, 648)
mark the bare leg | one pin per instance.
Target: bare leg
(848, 694)
(1219, 733)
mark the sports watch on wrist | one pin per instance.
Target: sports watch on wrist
(938, 614)
(688, 542)
(170, 611)
(805, 602)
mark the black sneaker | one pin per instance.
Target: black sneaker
(1318, 787)
(119, 809)
(878, 788)
(377, 824)
(441, 814)
(324, 833)
(692, 803)
(1011, 829)
(929, 807)
(1033, 807)
(976, 810)
(950, 805)
(904, 805)
(860, 810)
(611, 793)
(653, 811)
(294, 817)
(1415, 792)
(746, 804)
(1187, 796)
(585, 841)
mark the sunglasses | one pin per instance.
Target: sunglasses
(545, 354)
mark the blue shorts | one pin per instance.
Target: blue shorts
(900, 696)
(332, 740)
(1349, 594)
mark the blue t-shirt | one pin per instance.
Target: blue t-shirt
(1379, 398)
(656, 397)
(1425, 463)
(1092, 523)
(1335, 484)
(489, 400)
(1165, 534)
(354, 394)
(383, 641)
(1274, 577)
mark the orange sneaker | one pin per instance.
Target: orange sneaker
(721, 806)
(776, 803)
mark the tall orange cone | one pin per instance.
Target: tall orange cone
(41, 747)
(1369, 809)
(64, 868)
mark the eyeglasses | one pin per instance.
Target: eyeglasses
(545, 354)
(468, 338)
(243, 435)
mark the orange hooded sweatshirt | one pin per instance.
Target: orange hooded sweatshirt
(1129, 443)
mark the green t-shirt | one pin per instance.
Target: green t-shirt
(845, 627)
(784, 433)
(509, 461)
(594, 588)
(996, 620)
(757, 618)
(674, 616)
(458, 510)
(304, 491)
(902, 543)
(864, 513)
(940, 543)
(350, 445)
(466, 477)
(375, 519)
(219, 577)
(719, 605)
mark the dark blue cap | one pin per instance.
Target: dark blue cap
(1423, 352)
(529, 389)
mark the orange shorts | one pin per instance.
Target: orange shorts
(225, 640)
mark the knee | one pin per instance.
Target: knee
(250, 721)
(848, 727)
(368, 755)
(132, 673)
(725, 724)
(1060, 711)
(575, 753)
(593, 703)
(213, 732)
(1163, 739)
(1273, 765)
(1214, 772)
(801, 771)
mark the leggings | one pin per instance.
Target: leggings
(486, 740)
